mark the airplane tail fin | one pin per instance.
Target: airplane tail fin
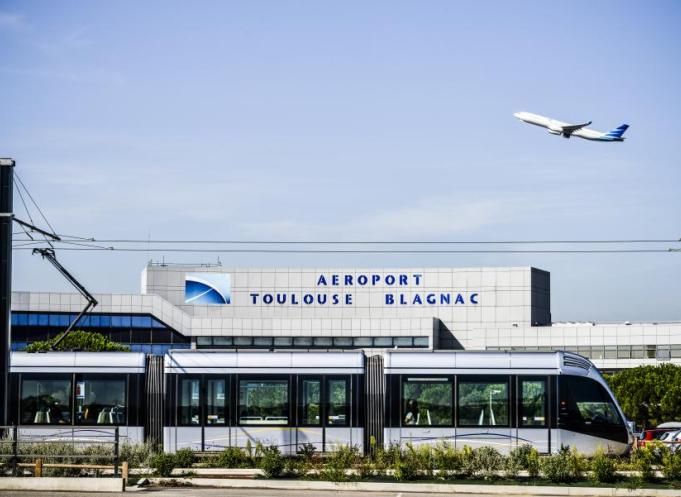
(617, 132)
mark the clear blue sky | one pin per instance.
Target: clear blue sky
(385, 120)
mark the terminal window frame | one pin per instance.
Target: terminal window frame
(116, 415)
(421, 381)
(522, 423)
(487, 380)
(242, 410)
(46, 417)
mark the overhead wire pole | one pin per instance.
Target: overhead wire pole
(6, 215)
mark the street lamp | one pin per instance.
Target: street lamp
(493, 421)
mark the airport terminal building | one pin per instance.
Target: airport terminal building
(214, 307)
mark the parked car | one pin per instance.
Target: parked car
(655, 434)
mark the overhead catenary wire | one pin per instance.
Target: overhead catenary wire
(383, 242)
(366, 251)
(18, 178)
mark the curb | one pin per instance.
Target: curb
(63, 484)
(436, 488)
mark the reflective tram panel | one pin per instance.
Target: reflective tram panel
(221, 399)
(78, 395)
(501, 400)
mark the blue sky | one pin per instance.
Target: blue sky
(351, 120)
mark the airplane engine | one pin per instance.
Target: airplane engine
(555, 131)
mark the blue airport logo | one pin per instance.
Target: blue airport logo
(207, 288)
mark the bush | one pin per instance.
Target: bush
(645, 458)
(488, 461)
(185, 458)
(163, 463)
(337, 465)
(137, 455)
(408, 464)
(603, 468)
(522, 458)
(563, 467)
(271, 462)
(446, 460)
(307, 451)
(232, 457)
(469, 463)
(671, 465)
(79, 340)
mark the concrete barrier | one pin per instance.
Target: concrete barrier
(63, 484)
(435, 488)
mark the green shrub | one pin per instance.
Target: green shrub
(603, 468)
(79, 340)
(488, 461)
(136, 455)
(671, 465)
(522, 458)
(337, 465)
(271, 462)
(406, 469)
(185, 458)
(644, 459)
(409, 464)
(469, 463)
(446, 460)
(232, 457)
(563, 467)
(163, 464)
(307, 451)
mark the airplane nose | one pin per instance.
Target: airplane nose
(517, 114)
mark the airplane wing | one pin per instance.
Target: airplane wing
(571, 128)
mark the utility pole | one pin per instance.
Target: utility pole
(6, 215)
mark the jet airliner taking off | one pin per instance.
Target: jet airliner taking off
(567, 130)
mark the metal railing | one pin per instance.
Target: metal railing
(21, 447)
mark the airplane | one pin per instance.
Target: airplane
(567, 130)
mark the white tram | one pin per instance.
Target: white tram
(216, 399)
(501, 399)
(77, 395)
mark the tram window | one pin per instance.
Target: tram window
(189, 402)
(311, 402)
(337, 412)
(100, 401)
(483, 403)
(586, 404)
(533, 403)
(263, 402)
(427, 401)
(216, 401)
(45, 401)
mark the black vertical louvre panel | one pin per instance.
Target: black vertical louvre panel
(374, 400)
(154, 399)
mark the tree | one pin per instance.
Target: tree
(649, 395)
(79, 340)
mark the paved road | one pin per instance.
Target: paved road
(224, 492)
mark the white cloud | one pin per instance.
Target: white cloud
(10, 20)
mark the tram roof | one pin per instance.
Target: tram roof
(481, 362)
(197, 362)
(77, 362)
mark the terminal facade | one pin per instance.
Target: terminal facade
(213, 307)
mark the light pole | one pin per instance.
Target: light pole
(493, 421)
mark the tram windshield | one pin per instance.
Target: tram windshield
(586, 407)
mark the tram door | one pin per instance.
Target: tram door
(533, 412)
(324, 414)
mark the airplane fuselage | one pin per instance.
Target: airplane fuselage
(559, 128)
